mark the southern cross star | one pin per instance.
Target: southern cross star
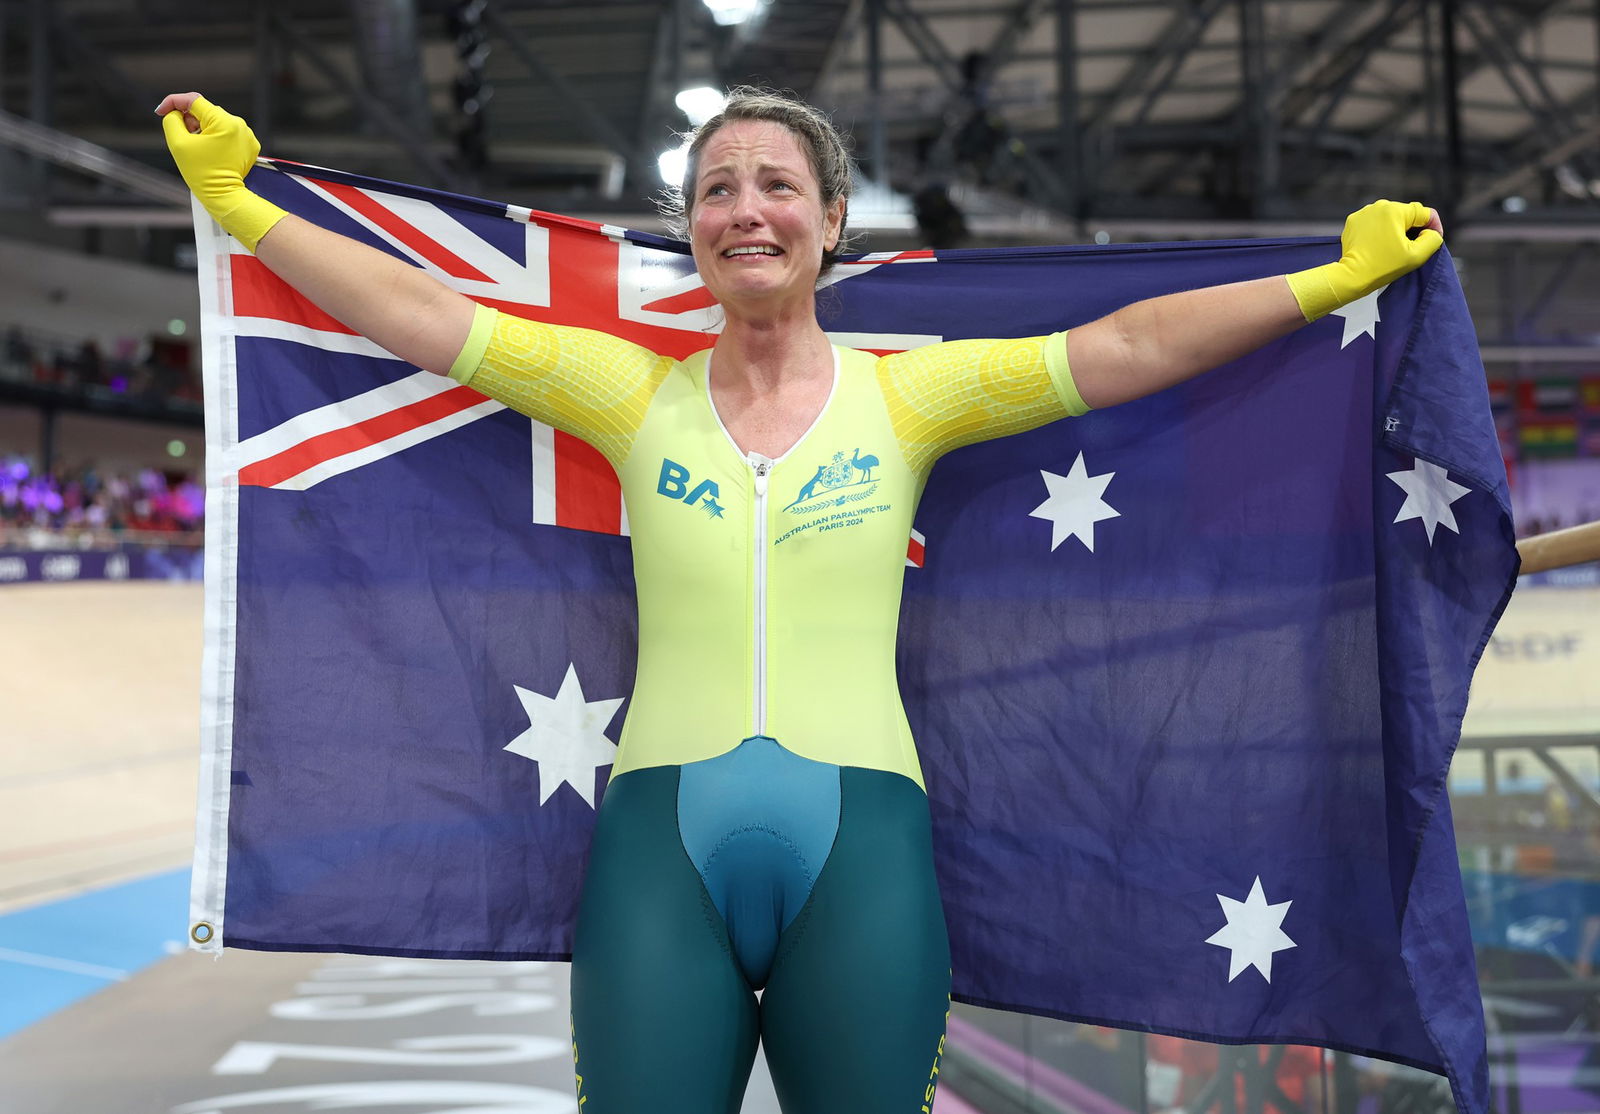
(566, 737)
(1075, 504)
(1252, 933)
(1429, 493)
(1360, 316)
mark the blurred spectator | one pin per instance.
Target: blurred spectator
(19, 355)
(155, 369)
(88, 506)
(1184, 1075)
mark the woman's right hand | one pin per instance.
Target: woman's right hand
(400, 307)
(214, 150)
(181, 102)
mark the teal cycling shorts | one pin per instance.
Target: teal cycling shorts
(760, 870)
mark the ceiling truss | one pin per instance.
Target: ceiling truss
(1169, 117)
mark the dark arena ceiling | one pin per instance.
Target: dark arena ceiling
(1039, 120)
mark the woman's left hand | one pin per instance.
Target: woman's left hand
(1377, 247)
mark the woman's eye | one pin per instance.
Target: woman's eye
(782, 186)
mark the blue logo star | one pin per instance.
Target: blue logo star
(710, 505)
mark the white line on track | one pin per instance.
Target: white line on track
(55, 963)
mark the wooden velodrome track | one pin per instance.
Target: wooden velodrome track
(102, 1012)
(101, 712)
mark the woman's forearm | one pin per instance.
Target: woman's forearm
(1154, 344)
(1157, 343)
(399, 307)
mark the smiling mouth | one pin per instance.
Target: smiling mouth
(738, 253)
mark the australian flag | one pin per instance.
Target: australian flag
(1186, 675)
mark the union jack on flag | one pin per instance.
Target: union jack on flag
(1185, 675)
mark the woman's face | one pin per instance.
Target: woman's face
(757, 223)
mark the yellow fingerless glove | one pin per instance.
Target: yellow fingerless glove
(213, 162)
(1376, 252)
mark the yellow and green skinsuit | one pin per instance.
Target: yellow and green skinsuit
(766, 825)
(768, 590)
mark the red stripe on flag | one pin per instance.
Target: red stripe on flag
(539, 217)
(698, 298)
(588, 494)
(337, 442)
(529, 310)
(430, 249)
(916, 552)
(257, 292)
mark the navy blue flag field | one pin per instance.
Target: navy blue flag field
(1186, 675)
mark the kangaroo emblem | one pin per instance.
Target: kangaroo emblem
(810, 485)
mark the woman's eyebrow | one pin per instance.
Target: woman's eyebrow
(761, 168)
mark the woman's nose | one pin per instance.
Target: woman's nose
(746, 209)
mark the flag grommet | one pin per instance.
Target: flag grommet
(201, 932)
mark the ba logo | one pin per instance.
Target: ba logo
(674, 484)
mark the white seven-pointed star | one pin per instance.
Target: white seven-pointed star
(1360, 316)
(1252, 933)
(1074, 505)
(566, 737)
(1429, 493)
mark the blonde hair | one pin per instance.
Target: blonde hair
(826, 150)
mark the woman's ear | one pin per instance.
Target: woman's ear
(833, 221)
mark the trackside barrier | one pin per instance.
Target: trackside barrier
(127, 562)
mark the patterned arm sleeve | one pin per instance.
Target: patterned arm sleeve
(962, 391)
(587, 383)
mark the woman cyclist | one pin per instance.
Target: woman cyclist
(765, 826)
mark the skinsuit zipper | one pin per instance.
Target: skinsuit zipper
(760, 465)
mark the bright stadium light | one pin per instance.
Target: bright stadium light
(701, 103)
(728, 12)
(672, 165)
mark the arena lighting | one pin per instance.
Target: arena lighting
(177, 326)
(176, 448)
(728, 12)
(700, 103)
(672, 165)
